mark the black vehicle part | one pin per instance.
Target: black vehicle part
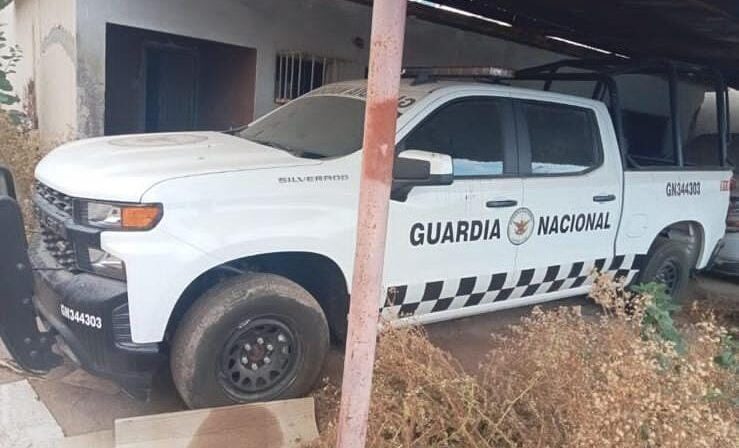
(30, 347)
(7, 186)
(103, 345)
(255, 337)
(668, 262)
(607, 68)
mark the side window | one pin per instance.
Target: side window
(470, 130)
(563, 139)
(647, 119)
(700, 126)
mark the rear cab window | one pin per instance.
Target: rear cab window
(557, 139)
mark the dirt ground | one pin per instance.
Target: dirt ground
(82, 403)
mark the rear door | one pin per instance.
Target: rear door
(572, 180)
(447, 253)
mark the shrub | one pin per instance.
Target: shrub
(557, 379)
(20, 151)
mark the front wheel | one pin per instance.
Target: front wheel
(255, 337)
(668, 263)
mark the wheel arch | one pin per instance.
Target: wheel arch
(692, 233)
(320, 275)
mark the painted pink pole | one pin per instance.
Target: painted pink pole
(386, 53)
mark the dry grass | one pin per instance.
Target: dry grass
(20, 151)
(556, 380)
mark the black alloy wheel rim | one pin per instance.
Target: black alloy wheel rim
(669, 275)
(261, 355)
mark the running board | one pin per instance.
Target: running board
(30, 347)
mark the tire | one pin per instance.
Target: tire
(668, 262)
(255, 337)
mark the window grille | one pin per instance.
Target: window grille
(298, 73)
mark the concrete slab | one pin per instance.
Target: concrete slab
(81, 410)
(25, 422)
(8, 372)
(277, 424)
(102, 439)
(80, 378)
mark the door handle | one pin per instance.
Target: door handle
(604, 198)
(501, 204)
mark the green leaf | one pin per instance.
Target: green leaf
(658, 314)
(8, 100)
(5, 84)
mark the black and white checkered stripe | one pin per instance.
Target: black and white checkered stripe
(442, 295)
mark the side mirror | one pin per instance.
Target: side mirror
(415, 168)
(7, 186)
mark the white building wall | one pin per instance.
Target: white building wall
(45, 32)
(320, 27)
(8, 26)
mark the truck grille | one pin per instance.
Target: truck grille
(59, 200)
(121, 325)
(56, 245)
(61, 249)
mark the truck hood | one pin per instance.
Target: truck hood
(122, 168)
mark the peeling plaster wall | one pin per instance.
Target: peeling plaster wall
(321, 27)
(45, 31)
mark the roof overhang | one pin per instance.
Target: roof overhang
(704, 32)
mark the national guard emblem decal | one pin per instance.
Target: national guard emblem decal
(520, 226)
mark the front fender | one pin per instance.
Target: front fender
(160, 266)
(213, 219)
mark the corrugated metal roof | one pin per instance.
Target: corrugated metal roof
(699, 31)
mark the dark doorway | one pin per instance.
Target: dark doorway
(157, 82)
(171, 88)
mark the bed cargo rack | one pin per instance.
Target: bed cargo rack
(603, 71)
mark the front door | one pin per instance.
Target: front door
(447, 252)
(572, 197)
(171, 89)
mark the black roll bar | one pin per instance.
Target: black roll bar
(602, 80)
(608, 67)
(677, 136)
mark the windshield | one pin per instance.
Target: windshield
(319, 126)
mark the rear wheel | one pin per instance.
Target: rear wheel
(668, 263)
(255, 337)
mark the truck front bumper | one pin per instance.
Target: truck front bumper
(85, 315)
(89, 316)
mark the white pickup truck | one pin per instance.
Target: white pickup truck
(230, 254)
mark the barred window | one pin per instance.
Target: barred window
(298, 73)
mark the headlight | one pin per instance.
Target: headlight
(114, 216)
(103, 263)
